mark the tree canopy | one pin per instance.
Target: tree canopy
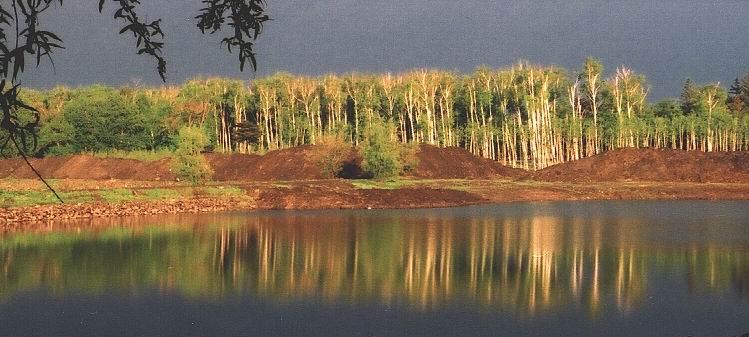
(526, 116)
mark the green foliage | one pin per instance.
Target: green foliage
(189, 162)
(56, 137)
(381, 155)
(102, 120)
(667, 108)
(331, 153)
(689, 97)
(408, 158)
(744, 90)
(514, 115)
(155, 114)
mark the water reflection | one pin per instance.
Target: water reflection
(526, 262)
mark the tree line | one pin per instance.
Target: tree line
(526, 115)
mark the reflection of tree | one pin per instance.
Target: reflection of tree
(741, 279)
(715, 269)
(531, 265)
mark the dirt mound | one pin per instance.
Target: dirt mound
(653, 165)
(458, 163)
(287, 164)
(88, 167)
(231, 166)
(433, 163)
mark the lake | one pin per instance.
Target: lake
(644, 268)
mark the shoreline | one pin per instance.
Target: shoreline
(339, 194)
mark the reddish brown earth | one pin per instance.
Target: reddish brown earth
(458, 163)
(653, 165)
(321, 194)
(339, 194)
(635, 174)
(433, 163)
(280, 165)
(88, 167)
(15, 218)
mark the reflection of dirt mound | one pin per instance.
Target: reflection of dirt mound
(457, 163)
(653, 165)
(88, 167)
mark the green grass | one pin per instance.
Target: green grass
(31, 198)
(390, 184)
(142, 155)
(164, 193)
(281, 184)
(9, 198)
(224, 191)
(117, 196)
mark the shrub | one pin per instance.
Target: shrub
(331, 153)
(381, 156)
(101, 120)
(408, 156)
(189, 163)
(56, 137)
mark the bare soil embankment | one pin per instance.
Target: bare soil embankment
(287, 164)
(339, 194)
(320, 194)
(88, 167)
(290, 179)
(458, 163)
(297, 164)
(294, 164)
(662, 165)
(281, 165)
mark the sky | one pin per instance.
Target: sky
(666, 40)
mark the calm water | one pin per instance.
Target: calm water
(539, 269)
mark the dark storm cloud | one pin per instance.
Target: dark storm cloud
(666, 40)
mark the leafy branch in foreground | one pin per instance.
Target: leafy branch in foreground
(144, 33)
(22, 37)
(246, 18)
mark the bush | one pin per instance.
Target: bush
(56, 137)
(381, 156)
(408, 156)
(189, 163)
(101, 120)
(330, 154)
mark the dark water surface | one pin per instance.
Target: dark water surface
(526, 269)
